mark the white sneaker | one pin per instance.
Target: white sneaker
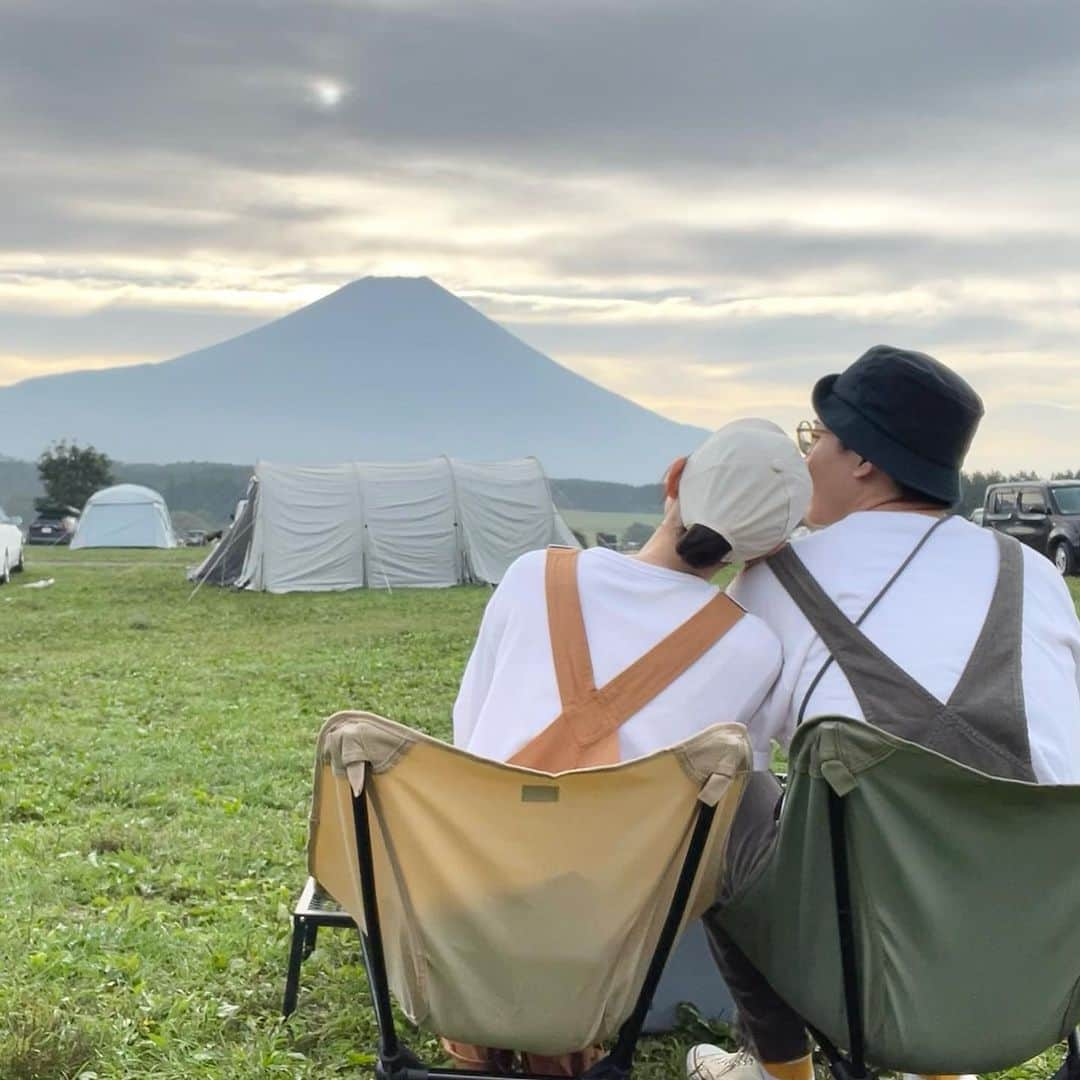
(707, 1062)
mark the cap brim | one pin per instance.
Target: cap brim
(862, 435)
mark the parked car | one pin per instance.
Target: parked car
(11, 546)
(195, 538)
(54, 525)
(1044, 514)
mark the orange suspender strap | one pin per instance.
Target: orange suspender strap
(555, 749)
(644, 679)
(586, 731)
(566, 626)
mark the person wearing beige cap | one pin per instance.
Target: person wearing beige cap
(737, 497)
(590, 658)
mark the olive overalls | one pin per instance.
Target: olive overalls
(983, 724)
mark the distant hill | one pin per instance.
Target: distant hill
(383, 369)
(18, 485)
(203, 494)
(206, 490)
(600, 495)
(199, 494)
(206, 493)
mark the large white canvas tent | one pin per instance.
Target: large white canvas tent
(384, 525)
(126, 515)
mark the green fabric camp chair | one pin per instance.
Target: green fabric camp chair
(918, 914)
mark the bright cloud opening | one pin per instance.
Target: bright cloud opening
(327, 93)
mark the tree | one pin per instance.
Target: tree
(71, 474)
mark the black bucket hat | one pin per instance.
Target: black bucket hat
(907, 414)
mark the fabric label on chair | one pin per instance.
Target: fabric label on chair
(539, 793)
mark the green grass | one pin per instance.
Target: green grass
(154, 785)
(155, 774)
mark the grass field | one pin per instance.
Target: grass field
(154, 783)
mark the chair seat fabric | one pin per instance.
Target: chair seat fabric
(518, 908)
(963, 888)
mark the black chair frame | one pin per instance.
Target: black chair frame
(313, 910)
(396, 1062)
(852, 1065)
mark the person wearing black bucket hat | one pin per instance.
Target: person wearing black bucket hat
(909, 415)
(903, 413)
(897, 613)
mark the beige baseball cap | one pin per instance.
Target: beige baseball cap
(749, 483)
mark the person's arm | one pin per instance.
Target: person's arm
(478, 671)
(1069, 623)
(756, 590)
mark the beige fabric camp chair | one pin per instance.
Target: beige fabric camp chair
(507, 907)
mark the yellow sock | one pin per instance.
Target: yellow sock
(799, 1069)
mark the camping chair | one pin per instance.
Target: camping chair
(511, 908)
(314, 909)
(689, 977)
(919, 915)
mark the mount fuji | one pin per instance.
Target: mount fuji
(382, 369)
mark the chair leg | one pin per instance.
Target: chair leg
(311, 933)
(296, 958)
(840, 1067)
(1070, 1067)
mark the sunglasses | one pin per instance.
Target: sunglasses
(807, 434)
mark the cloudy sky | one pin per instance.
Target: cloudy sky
(701, 205)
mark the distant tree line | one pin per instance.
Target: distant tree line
(199, 494)
(649, 498)
(204, 489)
(602, 495)
(206, 493)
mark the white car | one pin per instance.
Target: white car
(11, 546)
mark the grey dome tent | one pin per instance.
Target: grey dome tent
(125, 515)
(424, 524)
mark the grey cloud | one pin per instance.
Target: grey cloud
(791, 349)
(154, 106)
(690, 254)
(121, 332)
(156, 131)
(739, 84)
(161, 98)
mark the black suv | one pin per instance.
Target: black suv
(1044, 514)
(53, 525)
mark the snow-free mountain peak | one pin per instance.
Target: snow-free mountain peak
(381, 369)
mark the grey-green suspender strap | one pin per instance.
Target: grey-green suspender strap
(870, 607)
(984, 723)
